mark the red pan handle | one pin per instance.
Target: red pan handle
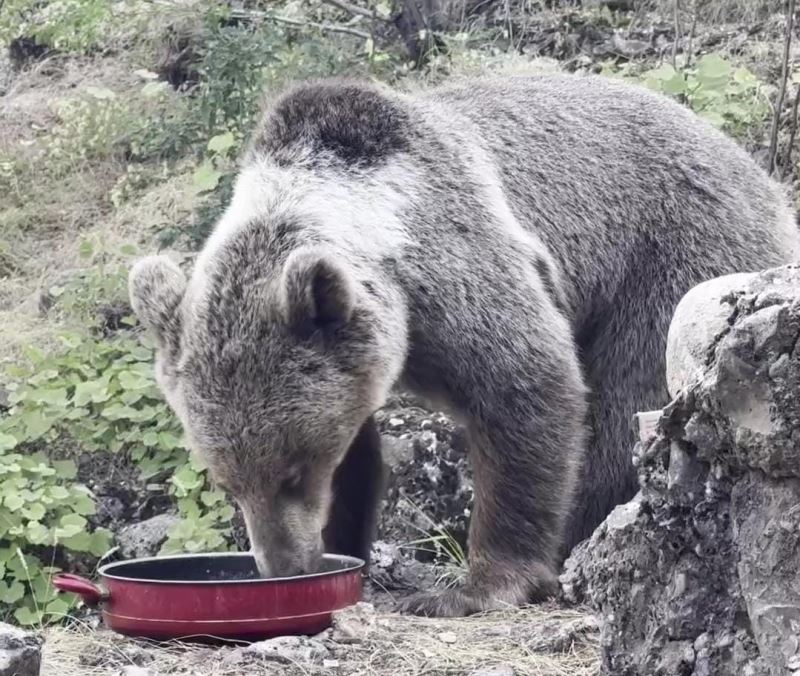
(88, 591)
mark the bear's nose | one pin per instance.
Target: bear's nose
(283, 566)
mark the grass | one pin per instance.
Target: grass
(45, 217)
(398, 645)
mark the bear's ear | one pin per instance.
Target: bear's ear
(156, 287)
(317, 292)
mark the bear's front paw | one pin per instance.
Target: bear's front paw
(475, 599)
(448, 603)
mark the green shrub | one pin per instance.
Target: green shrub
(238, 67)
(66, 25)
(99, 124)
(730, 98)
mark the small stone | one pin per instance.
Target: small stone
(702, 641)
(290, 649)
(447, 637)
(144, 539)
(384, 554)
(793, 663)
(330, 664)
(428, 441)
(20, 652)
(396, 423)
(396, 449)
(499, 670)
(353, 624)
(136, 671)
(624, 515)
(780, 367)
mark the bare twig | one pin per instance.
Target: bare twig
(787, 161)
(356, 10)
(776, 115)
(255, 15)
(692, 33)
(677, 8)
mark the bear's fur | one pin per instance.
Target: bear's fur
(511, 249)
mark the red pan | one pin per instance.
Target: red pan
(220, 596)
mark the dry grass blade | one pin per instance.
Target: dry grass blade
(535, 641)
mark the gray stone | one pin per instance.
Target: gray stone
(700, 575)
(290, 650)
(498, 670)
(20, 652)
(354, 624)
(699, 319)
(146, 537)
(133, 670)
(396, 450)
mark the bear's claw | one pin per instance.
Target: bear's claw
(447, 603)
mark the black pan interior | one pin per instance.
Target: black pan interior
(202, 569)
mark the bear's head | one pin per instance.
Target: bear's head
(272, 367)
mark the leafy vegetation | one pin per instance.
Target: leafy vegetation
(92, 394)
(730, 98)
(71, 25)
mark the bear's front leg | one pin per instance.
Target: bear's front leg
(525, 406)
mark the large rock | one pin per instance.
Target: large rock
(702, 316)
(20, 652)
(700, 574)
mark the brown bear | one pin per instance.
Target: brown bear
(511, 249)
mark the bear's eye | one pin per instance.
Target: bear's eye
(292, 483)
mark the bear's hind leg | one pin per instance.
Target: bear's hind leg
(357, 488)
(624, 359)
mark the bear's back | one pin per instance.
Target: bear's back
(610, 175)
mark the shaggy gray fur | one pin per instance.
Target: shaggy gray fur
(550, 225)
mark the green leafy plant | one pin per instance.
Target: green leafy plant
(66, 25)
(100, 123)
(91, 395)
(730, 98)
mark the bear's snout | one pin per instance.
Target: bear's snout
(282, 563)
(283, 544)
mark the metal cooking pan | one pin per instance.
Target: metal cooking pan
(216, 596)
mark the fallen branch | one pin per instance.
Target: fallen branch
(776, 116)
(255, 15)
(356, 10)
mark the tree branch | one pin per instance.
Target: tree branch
(692, 32)
(252, 15)
(677, 19)
(776, 116)
(356, 10)
(787, 161)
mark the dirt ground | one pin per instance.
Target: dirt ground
(534, 641)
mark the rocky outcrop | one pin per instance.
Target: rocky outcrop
(429, 480)
(20, 652)
(700, 574)
(424, 516)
